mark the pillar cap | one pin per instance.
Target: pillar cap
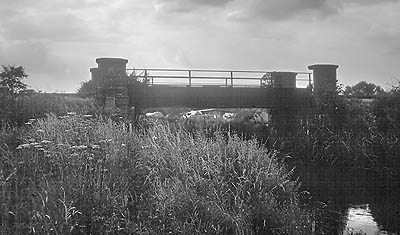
(323, 66)
(111, 60)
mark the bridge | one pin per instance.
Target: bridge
(218, 88)
(287, 93)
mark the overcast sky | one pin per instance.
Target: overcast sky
(57, 41)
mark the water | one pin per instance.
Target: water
(346, 201)
(359, 218)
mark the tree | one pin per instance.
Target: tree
(11, 77)
(386, 109)
(87, 88)
(363, 90)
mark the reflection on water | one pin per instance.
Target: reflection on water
(346, 201)
(359, 218)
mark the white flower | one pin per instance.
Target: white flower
(95, 146)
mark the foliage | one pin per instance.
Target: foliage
(113, 79)
(10, 85)
(363, 90)
(386, 109)
(87, 89)
(11, 77)
(77, 175)
(39, 105)
(330, 108)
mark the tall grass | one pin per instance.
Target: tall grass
(19, 109)
(95, 176)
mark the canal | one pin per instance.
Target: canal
(347, 200)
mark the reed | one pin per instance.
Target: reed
(81, 175)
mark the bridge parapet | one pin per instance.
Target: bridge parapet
(221, 78)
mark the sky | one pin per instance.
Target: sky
(58, 41)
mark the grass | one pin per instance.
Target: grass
(75, 175)
(38, 105)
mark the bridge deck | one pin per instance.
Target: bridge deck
(217, 97)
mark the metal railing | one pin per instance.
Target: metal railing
(210, 77)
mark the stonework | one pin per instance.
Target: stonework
(112, 96)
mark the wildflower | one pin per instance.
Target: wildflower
(22, 146)
(81, 147)
(95, 146)
(45, 142)
(40, 131)
(87, 116)
(74, 155)
(123, 145)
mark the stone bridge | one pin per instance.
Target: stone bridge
(210, 88)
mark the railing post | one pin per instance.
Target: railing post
(309, 79)
(231, 79)
(145, 76)
(190, 78)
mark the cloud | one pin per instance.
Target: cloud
(37, 59)
(58, 41)
(370, 2)
(54, 27)
(273, 10)
(184, 6)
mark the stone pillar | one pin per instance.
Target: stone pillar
(324, 76)
(327, 102)
(97, 77)
(284, 111)
(107, 67)
(111, 91)
(112, 64)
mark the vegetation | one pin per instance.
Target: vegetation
(114, 79)
(75, 175)
(11, 77)
(38, 105)
(363, 90)
(63, 173)
(87, 89)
